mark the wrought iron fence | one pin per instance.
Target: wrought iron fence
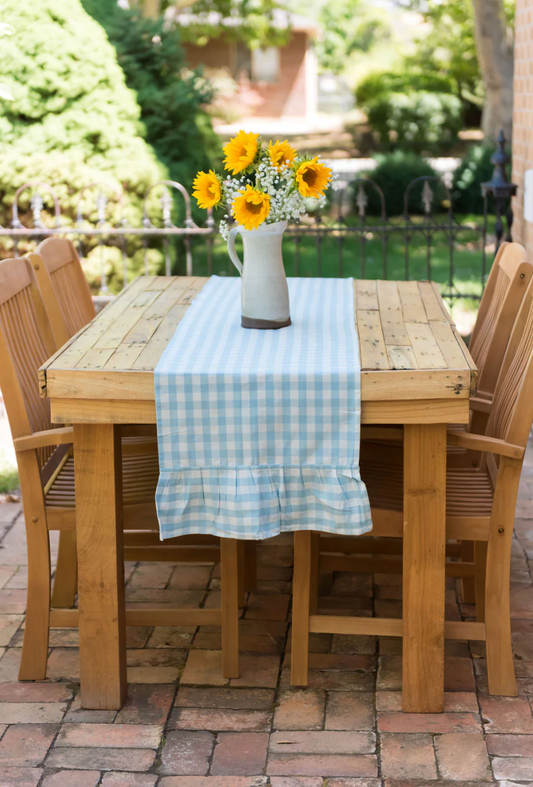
(352, 236)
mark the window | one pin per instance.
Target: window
(265, 64)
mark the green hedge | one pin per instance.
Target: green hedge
(172, 98)
(474, 170)
(72, 120)
(417, 122)
(379, 83)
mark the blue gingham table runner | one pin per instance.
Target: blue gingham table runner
(259, 431)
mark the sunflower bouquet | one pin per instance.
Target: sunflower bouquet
(267, 184)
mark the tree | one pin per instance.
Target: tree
(471, 40)
(348, 27)
(449, 48)
(494, 40)
(171, 97)
(255, 22)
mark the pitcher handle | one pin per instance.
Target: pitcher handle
(234, 257)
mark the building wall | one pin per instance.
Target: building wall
(288, 96)
(523, 118)
(215, 54)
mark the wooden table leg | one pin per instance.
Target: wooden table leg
(229, 576)
(98, 474)
(301, 592)
(423, 567)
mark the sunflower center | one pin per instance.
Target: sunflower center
(310, 177)
(254, 207)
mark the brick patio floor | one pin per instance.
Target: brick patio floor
(184, 726)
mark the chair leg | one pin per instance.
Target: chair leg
(66, 576)
(480, 579)
(229, 569)
(315, 558)
(250, 566)
(500, 664)
(37, 629)
(468, 583)
(301, 599)
(241, 574)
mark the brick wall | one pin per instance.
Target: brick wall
(523, 117)
(287, 96)
(215, 54)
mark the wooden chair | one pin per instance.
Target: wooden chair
(70, 307)
(480, 507)
(506, 286)
(46, 469)
(63, 286)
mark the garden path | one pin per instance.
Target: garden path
(184, 726)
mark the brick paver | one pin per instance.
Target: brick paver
(300, 709)
(462, 758)
(408, 756)
(183, 725)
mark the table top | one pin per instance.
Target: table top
(410, 348)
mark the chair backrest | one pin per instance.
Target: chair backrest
(487, 295)
(64, 288)
(508, 282)
(26, 341)
(511, 413)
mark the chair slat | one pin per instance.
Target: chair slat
(62, 282)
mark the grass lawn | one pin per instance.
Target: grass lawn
(9, 478)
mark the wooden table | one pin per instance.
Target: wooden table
(416, 371)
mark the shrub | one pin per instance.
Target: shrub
(380, 82)
(393, 174)
(419, 122)
(474, 170)
(72, 119)
(171, 97)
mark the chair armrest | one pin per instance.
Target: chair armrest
(481, 405)
(62, 436)
(492, 445)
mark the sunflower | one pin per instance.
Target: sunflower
(280, 153)
(207, 190)
(240, 152)
(312, 178)
(251, 208)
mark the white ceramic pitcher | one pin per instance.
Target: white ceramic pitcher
(264, 292)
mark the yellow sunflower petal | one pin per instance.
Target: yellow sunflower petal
(280, 153)
(241, 151)
(312, 178)
(251, 208)
(207, 190)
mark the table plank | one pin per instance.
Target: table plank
(432, 305)
(401, 357)
(371, 340)
(367, 296)
(412, 303)
(425, 346)
(410, 347)
(392, 319)
(449, 346)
